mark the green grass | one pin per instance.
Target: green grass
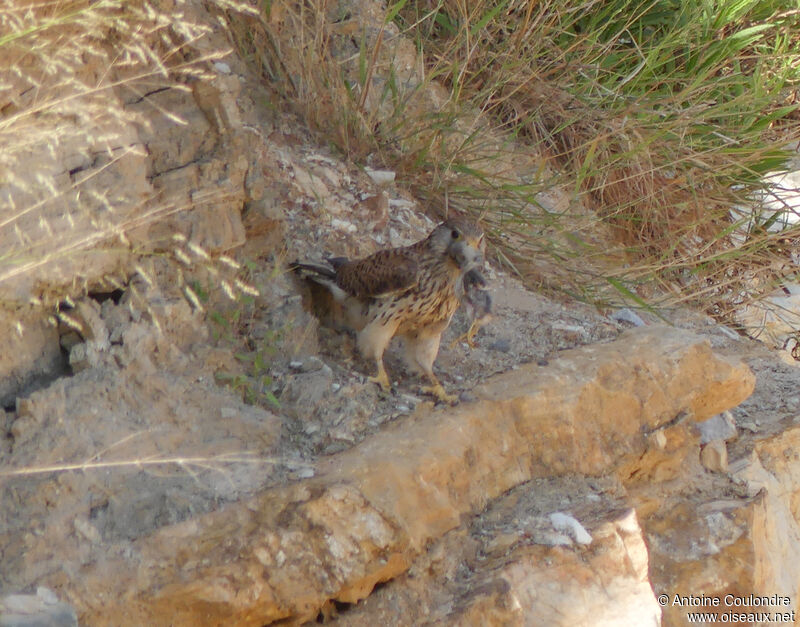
(649, 120)
(658, 116)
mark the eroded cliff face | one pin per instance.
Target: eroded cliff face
(578, 480)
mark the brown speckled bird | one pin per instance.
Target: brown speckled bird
(411, 292)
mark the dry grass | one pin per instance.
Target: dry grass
(191, 464)
(658, 116)
(71, 69)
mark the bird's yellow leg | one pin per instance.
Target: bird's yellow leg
(468, 337)
(382, 378)
(472, 332)
(438, 391)
(458, 340)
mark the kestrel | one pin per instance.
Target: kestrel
(412, 292)
(478, 303)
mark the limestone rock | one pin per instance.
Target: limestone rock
(569, 525)
(42, 609)
(380, 177)
(115, 163)
(719, 427)
(499, 572)
(714, 456)
(627, 316)
(149, 493)
(143, 423)
(30, 353)
(371, 510)
(729, 548)
(605, 586)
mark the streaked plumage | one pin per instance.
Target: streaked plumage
(412, 292)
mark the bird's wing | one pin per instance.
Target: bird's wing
(380, 274)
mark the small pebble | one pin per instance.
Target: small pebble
(714, 456)
(729, 332)
(719, 427)
(312, 364)
(46, 595)
(551, 538)
(343, 225)
(568, 524)
(502, 346)
(629, 316)
(380, 177)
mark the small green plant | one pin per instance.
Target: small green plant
(255, 384)
(255, 390)
(203, 293)
(232, 325)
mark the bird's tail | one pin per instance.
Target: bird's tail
(321, 275)
(314, 272)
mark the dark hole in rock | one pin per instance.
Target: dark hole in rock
(101, 297)
(332, 609)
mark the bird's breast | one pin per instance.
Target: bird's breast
(432, 300)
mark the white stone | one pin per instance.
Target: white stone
(719, 427)
(380, 177)
(628, 315)
(343, 225)
(567, 524)
(46, 595)
(552, 538)
(87, 530)
(729, 332)
(21, 604)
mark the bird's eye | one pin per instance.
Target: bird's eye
(455, 234)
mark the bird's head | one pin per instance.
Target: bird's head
(461, 241)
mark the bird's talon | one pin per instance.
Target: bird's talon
(442, 396)
(468, 337)
(382, 380)
(472, 332)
